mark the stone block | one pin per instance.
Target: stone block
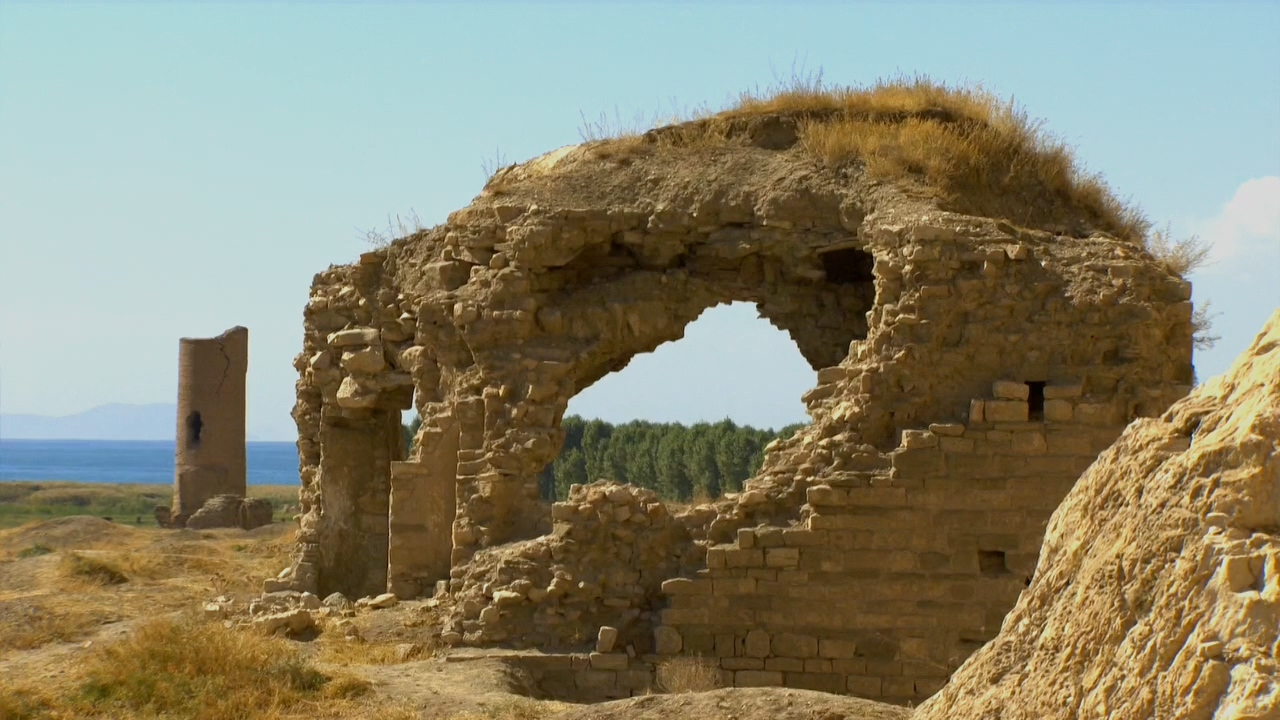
(864, 686)
(672, 616)
(1029, 443)
(825, 495)
(947, 429)
(1056, 390)
(716, 557)
(757, 678)
(782, 557)
(733, 586)
(1095, 414)
(955, 444)
(919, 439)
(794, 645)
(597, 678)
(635, 679)
(667, 640)
(767, 537)
(795, 537)
(1006, 410)
(836, 648)
(742, 663)
(609, 661)
(739, 557)
(1010, 390)
(898, 687)
(916, 463)
(757, 644)
(606, 638)
(1057, 410)
(746, 537)
(977, 411)
(686, 586)
(823, 682)
(817, 665)
(786, 665)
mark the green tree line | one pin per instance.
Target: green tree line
(679, 462)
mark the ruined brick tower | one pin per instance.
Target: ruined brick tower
(210, 455)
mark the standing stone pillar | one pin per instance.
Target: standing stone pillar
(210, 455)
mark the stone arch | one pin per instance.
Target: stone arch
(924, 464)
(729, 347)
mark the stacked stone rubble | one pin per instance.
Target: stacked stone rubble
(608, 553)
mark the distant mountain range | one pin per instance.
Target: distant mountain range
(104, 422)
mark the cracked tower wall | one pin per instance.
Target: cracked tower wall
(209, 458)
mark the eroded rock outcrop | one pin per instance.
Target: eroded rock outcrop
(223, 511)
(1158, 588)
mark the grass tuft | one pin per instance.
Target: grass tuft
(32, 624)
(183, 668)
(35, 551)
(978, 153)
(92, 569)
(686, 674)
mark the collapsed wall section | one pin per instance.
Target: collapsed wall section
(876, 571)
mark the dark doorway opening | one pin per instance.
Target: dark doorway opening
(847, 266)
(1035, 400)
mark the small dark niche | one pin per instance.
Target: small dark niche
(991, 562)
(194, 424)
(848, 266)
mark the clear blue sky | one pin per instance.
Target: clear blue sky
(173, 170)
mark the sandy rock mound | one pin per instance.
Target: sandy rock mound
(1158, 588)
(231, 511)
(743, 704)
(76, 531)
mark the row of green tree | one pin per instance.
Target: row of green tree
(679, 462)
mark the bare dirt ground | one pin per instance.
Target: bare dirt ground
(73, 588)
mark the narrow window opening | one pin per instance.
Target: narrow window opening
(991, 562)
(1035, 400)
(194, 423)
(848, 266)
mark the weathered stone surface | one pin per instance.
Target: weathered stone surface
(1179, 549)
(606, 638)
(231, 511)
(290, 622)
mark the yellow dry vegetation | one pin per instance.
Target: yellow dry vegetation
(970, 149)
(183, 667)
(690, 673)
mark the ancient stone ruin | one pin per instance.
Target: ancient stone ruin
(209, 459)
(969, 368)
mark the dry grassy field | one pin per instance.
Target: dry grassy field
(24, 501)
(103, 619)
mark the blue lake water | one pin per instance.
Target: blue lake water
(139, 461)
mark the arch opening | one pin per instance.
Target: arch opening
(689, 419)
